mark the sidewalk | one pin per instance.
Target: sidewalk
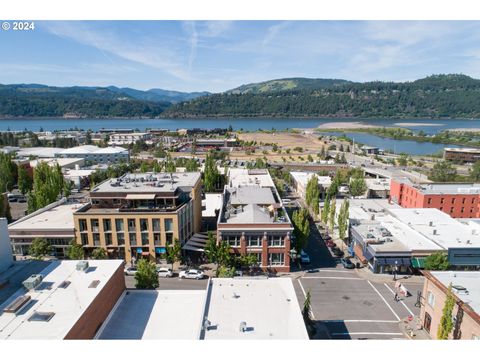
(366, 274)
(412, 328)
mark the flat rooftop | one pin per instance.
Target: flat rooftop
(41, 152)
(68, 304)
(364, 209)
(156, 315)
(378, 184)
(92, 149)
(463, 150)
(468, 279)
(251, 195)
(60, 161)
(247, 177)
(390, 172)
(149, 183)
(453, 188)
(56, 218)
(439, 227)
(269, 307)
(211, 203)
(303, 177)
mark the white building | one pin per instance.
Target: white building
(128, 138)
(300, 181)
(96, 154)
(64, 163)
(6, 258)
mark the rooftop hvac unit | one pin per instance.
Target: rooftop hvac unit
(434, 232)
(430, 223)
(33, 281)
(82, 265)
(243, 326)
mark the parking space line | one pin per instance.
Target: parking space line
(305, 295)
(366, 333)
(385, 301)
(401, 301)
(331, 277)
(360, 321)
(334, 270)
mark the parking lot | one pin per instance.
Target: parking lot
(174, 283)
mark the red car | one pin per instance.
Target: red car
(330, 243)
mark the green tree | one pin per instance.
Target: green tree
(5, 208)
(99, 254)
(48, 184)
(211, 174)
(75, 251)
(443, 171)
(446, 321)
(326, 210)
(25, 182)
(301, 227)
(358, 186)
(8, 172)
(39, 248)
(218, 252)
(342, 219)
(402, 160)
(332, 214)
(170, 166)
(146, 276)
(312, 194)
(437, 261)
(174, 252)
(475, 171)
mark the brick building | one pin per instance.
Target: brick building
(462, 155)
(455, 199)
(466, 291)
(253, 220)
(138, 215)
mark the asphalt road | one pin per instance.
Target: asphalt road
(174, 283)
(349, 306)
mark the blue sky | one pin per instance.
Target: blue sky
(220, 55)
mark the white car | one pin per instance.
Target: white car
(132, 270)
(164, 272)
(191, 274)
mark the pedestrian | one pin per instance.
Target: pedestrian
(395, 297)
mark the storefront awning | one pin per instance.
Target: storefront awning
(196, 243)
(140, 196)
(418, 263)
(160, 250)
(394, 261)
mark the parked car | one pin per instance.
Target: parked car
(330, 243)
(286, 201)
(304, 258)
(164, 272)
(313, 270)
(347, 264)
(337, 252)
(132, 270)
(191, 274)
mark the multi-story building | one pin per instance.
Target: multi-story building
(96, 154)
(252, 219)
(139, 215)
(301, 179)
(466, 311)
(128, 138)
(6, 258)
(53, 223)
(464, 155)
(456, 199)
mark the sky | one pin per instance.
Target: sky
(220, 55)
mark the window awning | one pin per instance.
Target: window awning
(391, 261)
(140, 196)
(418, 263)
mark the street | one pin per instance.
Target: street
(352, 303)
(174, 283)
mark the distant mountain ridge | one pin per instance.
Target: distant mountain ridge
(286, 84)
(436, 96)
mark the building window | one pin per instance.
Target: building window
(96, 239)
(143, 224)
(107, 225)
(133, 238)
(429, 201)
(463, 200)
(254, 241)
(108, 238)
(276, 259)
(276, 241)
(232, 240)
(119, 225)
(473, 200)
(144, 238)
(84, 238)
(156, 239)
(169, 239)
(463, 209)
(441, 208)
(442, 200)
(451, 210)
(168, 225)
(131, 225)
(94, 224)
(453, 200)
(121, 239)
(156, 224)
(83, 224)
(431, 299)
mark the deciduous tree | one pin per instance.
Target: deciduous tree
(39, 248)
(146, 276)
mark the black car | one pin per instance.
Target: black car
(337, 252)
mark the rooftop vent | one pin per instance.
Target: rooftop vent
(243, 326)
(82, 265)
(430, 223)
(33, 281)
(64, 284)
(434, 232)
(94, 284)
(17, 304)
(41, 316)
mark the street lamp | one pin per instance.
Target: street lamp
(395, 271)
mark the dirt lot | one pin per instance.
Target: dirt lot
(308, 141)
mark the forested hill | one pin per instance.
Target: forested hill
(34, 100)
(434, 96)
